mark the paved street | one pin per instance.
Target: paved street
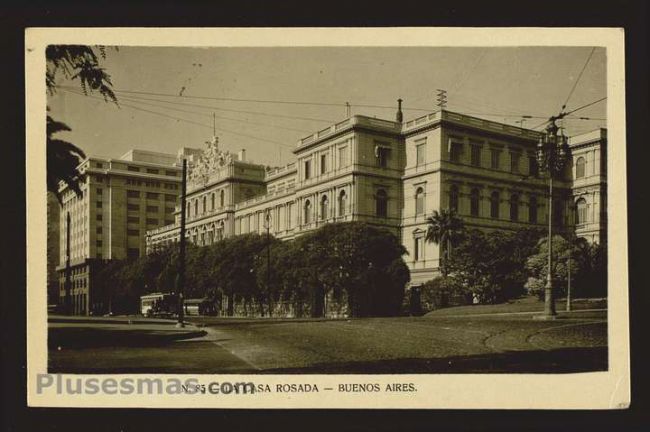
(490, 343)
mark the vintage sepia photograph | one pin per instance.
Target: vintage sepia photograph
(325, 210)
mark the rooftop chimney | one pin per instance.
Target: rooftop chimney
(399, 117)
(242, 155)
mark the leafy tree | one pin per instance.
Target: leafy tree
(444, 229)
(588, 269)
(492, 266)
(73, 63)
(537, 266)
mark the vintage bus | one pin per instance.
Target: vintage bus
(158, 304)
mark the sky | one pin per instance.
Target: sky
(175, 93)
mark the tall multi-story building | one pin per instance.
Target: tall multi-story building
(120, 200)
(53, 252)
(394, 174)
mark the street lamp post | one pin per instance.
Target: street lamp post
(267, 225)
(552, 155)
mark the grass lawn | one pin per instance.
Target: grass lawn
(524, 304)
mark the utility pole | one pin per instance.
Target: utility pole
(180, 277)
(68, 282)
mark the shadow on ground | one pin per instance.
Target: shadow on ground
(85, 337)
(565, 360)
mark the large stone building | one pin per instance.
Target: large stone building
(121, 199)
(394, 174)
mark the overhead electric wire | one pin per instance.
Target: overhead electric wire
(190, 121)
(574, 110)
(215, 116)
(575, 84)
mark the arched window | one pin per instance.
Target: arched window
(307, 217)
(212, 199)
(188, 211)
(205, 203)
(581, 211)
(474, 200)
(324, 207)
(222, 198)
(419, 201)
(495, 199)
(196, 207)
(514, 207)
(343, 199)
(453, 198)
(580, 167)
(532, 209)
(381, 203)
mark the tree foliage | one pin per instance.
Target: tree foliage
(349, 268)
(73, 63)
(587, 268)
(444, 228)
(492, 266)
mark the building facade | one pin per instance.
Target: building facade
(589, 187)
(394, 174)
(120, 200)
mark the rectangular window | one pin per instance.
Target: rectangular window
(169, 209)
(133, 219)
(99, 191)
(417, 249)
(420, 150)
(307, 170)
(382, 156)
(153, 171)
(133, 253)
(152, 209)
(495, 158)
(455, 151)
(99, 165)
(99, 204)
(514, 162)
(476, 155)
(170, 173)
(133, 232)
(343, 157)
(533, 169)
(133, 207)
(99, 230)
(169, 222)
(323, 164)
(132, 168)
(99, 243)
(99, 217)
(152, 221)
(153, 195)
(170, 197)
(132, 194)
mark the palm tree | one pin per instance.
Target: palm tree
(62, 160)
(444, 228)
(73, 62)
